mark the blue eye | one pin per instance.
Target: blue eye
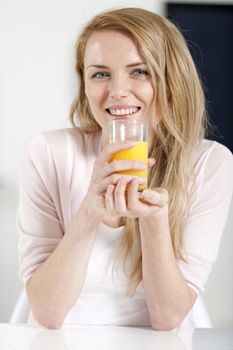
(140, 71)
(100, 75)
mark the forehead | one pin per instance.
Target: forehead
(107, 46)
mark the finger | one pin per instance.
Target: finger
(117, 166)
(114, 178)
(109, 200)
(132, 198)
(150, 162)
(120, 197)
(121, 165)
(157, 197)
(113, 148)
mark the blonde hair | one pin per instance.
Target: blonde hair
(180, 105)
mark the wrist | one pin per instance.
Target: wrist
(159, 217)
(90, 217)
(157, 222)
(85, 221)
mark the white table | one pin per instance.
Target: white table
(23, 337)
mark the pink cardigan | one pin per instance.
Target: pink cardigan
(54, 178)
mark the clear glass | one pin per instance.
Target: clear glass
(134, 130)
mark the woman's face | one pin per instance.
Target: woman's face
(117, 79)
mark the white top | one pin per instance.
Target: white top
(55, 175)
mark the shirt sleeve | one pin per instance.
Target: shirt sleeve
(38, 224)
(207, 216)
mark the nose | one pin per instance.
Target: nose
(119, 87)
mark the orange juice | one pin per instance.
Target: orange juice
(140, 153)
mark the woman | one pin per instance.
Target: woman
(89, 252)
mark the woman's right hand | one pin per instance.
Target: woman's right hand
(105, 173)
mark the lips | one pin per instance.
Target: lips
(123, 111)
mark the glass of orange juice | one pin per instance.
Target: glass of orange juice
(133, 130)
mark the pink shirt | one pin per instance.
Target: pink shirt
(55, 175)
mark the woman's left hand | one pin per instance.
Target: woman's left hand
(132, 203)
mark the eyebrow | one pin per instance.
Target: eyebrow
(106, 67)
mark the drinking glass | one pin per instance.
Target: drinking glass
(133, 130)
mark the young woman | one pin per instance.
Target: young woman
(92, 252)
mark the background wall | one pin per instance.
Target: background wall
(37, 86)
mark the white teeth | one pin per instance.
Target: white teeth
(124, 111)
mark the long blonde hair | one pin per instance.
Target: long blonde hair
(180, 104)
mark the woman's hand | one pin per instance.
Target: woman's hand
(107, 192)
(133, 204)
(105, 176)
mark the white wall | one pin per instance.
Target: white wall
(37, 85)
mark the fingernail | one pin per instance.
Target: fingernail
(147, 194)
(135, 182)
(110, 189)
(142, 166)
(121, 182)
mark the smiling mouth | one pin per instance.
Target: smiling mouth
(122, 112)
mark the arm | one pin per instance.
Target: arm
(55, 286)
(54, 264)
(166, 279)
(168, 296)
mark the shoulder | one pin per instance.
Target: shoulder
(60, 141)
(207, 148)
(55, 157)
(213, 163)
(212, 155)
